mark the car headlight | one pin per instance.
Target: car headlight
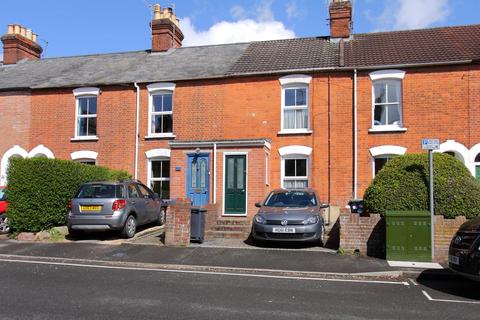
(260, 219)
(311, 220)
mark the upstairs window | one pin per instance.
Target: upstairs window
(86, 112)
(387, 105)
(295, 104)
(161, 109)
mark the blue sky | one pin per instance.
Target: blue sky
(77, 27)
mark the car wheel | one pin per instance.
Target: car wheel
(4, 227)
(130, 227)
(161, 217)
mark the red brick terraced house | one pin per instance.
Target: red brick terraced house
(224, 124)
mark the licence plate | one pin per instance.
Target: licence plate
(91, 208)
(454, 260)
(283, 230)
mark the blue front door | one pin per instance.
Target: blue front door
(198, 178)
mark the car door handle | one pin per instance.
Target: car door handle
(133, 202)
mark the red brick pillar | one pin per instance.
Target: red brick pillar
(177, 226)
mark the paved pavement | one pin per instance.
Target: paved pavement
(56, 290)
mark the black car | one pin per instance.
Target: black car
(464, 252)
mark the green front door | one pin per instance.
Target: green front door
(235, 184)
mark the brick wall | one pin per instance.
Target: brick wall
(445, 229)
(177, 225)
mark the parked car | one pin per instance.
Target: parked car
(118, 206)
(289, 215)
(4, 227)
(464, 252)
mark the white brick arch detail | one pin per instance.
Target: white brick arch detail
(461, 153)
(12, 152)
(84, 154)
(302, 150)
(387, 149)
(295, 78)
(40, 151)
(474, 151)
(158, 153)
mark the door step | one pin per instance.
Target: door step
(226, 235)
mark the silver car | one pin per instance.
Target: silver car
(289, 215)
(118, 206)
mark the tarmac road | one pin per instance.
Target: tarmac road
(33, 289)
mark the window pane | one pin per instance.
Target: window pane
(82, 106)
(92, 126)
(144, 192)
(203, 174)
(301, 184)
(289, 119)
(157, 169)
(82, 126)
(165, 169)
(380, 115)
(289, 97)
(240, 166)
(289, 184)
(162, 188)
(379, 89)
(157, 103)
(394, 114)
(194, 173)
(301, 119)
(92, 105)
(167, 123)
(394, 91)
(290, 168)
(167, 102)
(132, 191)
(301, 97)
(157, 124)
(301, 167)
(379, 163)
(230, 172)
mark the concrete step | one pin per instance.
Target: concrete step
(233, 228)
(228, 222)
(226, 235)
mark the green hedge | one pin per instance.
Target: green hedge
(403, 182)
(39, 189)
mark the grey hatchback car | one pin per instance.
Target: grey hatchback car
(118, 206)
(289, 215)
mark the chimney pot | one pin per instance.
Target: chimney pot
(166, 33)
(23, 31)
(10, 29)
(20, 43)
(16, 29)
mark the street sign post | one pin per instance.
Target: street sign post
(430, 145)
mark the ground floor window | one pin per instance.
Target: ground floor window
(91, 162)
(160, 177)
(295, 173)
(380, 162)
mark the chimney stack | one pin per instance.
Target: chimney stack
(20, 43)
(340, 18)
(166, 33)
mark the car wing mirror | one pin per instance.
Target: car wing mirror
(258, 204)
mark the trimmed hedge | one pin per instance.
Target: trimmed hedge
(39, 189)
(403, 183)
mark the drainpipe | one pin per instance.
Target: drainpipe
(329, 151)
(355, 137)
(136, 128)
(214, 173)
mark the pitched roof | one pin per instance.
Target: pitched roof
(447, 44)
(369, 50)
(141, 66)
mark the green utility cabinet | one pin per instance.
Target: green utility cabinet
(408, 236)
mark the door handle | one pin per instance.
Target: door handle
(133, 202)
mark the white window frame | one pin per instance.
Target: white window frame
(386, 151)
(157, 155)
(383, 75)
(155, 89)
(295, 82)
(267, 168)
(85, 93)
(295, 157)
(84, 156)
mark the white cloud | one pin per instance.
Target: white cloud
(232, 32)
(292, 10)
(255, 26)
(410, 14)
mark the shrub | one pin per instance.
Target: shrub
(403, 184)
(39, 189)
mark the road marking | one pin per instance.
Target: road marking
(411, 264)
(204, 272)
(413, 282)
(447, 300)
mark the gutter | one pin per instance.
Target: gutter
(136, 127)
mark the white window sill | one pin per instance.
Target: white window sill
(287, 132)
(386, 129)
(160, 136)
(85, 138)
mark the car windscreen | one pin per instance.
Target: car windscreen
(3, 195)
(101, 191)
(291, 199)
